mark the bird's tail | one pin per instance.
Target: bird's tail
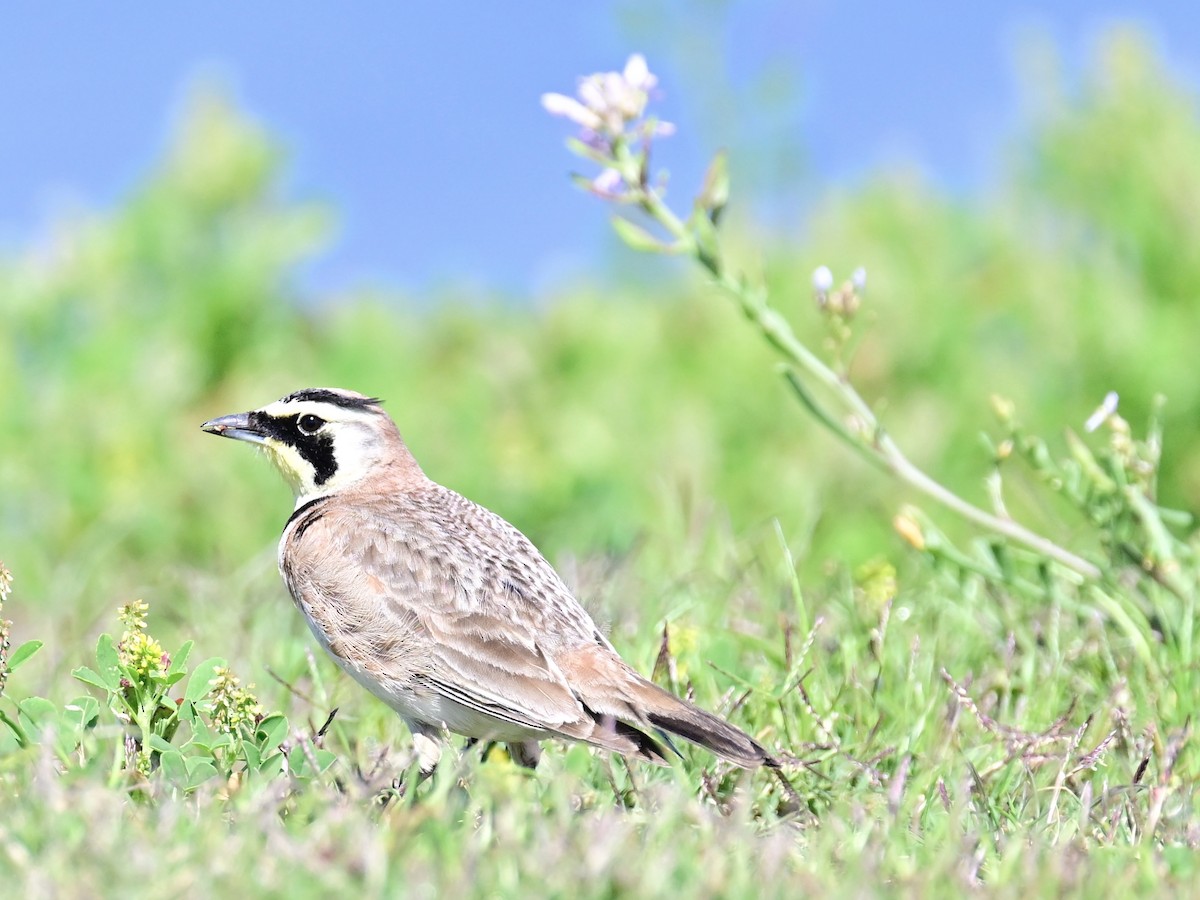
(625, 706)
(673, 715)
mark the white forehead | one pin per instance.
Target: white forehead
(330, 412)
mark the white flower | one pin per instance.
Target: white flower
(608, 183)
(1103, 412)
(609, 101)
(569, 107)
(822, 280)
(859, 279)
(638, 74)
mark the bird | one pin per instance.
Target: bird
(444, 610)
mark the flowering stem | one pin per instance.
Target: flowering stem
(632, 167)
(872, 442)
(611, 108)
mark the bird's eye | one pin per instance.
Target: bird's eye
(310, 424)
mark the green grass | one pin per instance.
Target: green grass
(958, 717)
(908, 783)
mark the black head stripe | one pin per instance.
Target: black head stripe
(317, 448)
(334, 398)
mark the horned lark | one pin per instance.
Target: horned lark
(441, 608)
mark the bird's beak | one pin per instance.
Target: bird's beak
(239, 426)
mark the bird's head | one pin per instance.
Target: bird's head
(322, 439)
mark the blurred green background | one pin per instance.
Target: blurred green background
(634, 418)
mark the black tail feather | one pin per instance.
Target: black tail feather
(714, 734)
(645, 745)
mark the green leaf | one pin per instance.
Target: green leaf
(82, 712)
(272, 731)
(37, 708)
(179, 662)
(580, 149)
(252, 756)
(16, 729)
(271, 763)
(209, 740)
(582, 182)
(159, 743)
(638, 238)
(173, 766)
(37, 712)
(201, 733)
(108, 663)
(325, 758)
(107, 655)
(87, 676)
(198, 771)
(714, 193)
(22, 653)
(201, 680)
(298, 762)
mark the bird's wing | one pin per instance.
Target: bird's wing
(446, 609)
(481, 662)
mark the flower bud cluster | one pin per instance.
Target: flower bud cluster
(610, 108)
(843, 302)
(233, 705)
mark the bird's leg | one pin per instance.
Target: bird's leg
(428, 746)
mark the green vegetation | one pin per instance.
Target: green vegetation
(961, 711)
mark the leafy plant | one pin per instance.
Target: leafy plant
(226, 732)
(1122, 610)
(1113, 490)
(214, 728)
(10, 659)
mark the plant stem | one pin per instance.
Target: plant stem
(872, 441)
(879, 446)
(865, 433)
(17, 730)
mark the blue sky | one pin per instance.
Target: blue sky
(420, 123)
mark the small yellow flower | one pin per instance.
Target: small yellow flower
(909, 529)
(138, 652)
(143, 655)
